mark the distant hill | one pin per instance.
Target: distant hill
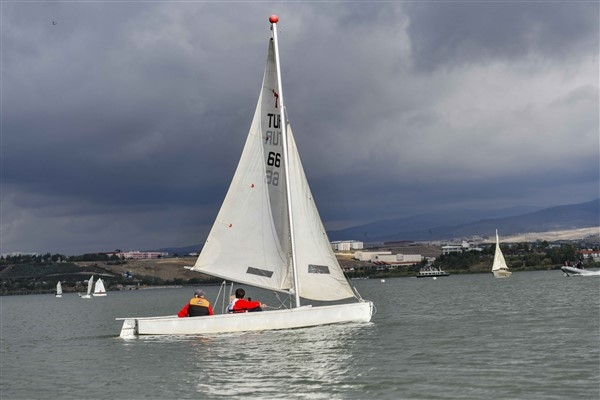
(454, 225)
(425, 228)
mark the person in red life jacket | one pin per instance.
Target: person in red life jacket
(240, 305)
(198, 306)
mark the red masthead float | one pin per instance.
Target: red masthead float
(273, 19)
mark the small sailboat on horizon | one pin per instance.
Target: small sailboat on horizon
(90, 286)
(58, 289)
(499, 268)
(99, 290)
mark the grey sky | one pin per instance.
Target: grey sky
(122, 123)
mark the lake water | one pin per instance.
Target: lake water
(535, 335)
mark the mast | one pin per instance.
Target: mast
(273, 19)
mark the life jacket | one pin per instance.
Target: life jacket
(198, 307)
(243, 306)
(231, 305)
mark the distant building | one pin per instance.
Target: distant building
(367, 255)
(386, 260)
(593, 254)
(346, 245)
(140, 255)
(459, 248)
(451, 248)
(396, 260)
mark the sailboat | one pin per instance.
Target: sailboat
(268, 234)
(58, 289)
(99, 289)
(88, 295)
(499, 268)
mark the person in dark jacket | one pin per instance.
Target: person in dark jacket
(239, 304)
(198, 306)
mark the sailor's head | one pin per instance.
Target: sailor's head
(199, 293)
(240, 293)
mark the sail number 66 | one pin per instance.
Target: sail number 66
(274, 159)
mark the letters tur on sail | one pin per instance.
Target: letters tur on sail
(250, 240)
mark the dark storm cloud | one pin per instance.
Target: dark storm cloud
(123, 122)
(448, 34)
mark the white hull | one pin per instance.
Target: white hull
(572, 271)
(99, 294)
(502, 273)
(59, 295)
(86, 296)
(301, 317)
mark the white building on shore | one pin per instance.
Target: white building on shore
(141, 255)
(459, 248)
(387, 259)
(368, 255)
(346, 245)
(396, 260)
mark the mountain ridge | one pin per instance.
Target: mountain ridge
(463, 224)
(571, 216)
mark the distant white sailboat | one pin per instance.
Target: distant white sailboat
(99, 289)
(499, 268)
(90, 286)
(58, 289)
(268, 234)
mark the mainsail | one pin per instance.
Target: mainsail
(90, 285)
(251, 239)
(99, 289)
(499, 262)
